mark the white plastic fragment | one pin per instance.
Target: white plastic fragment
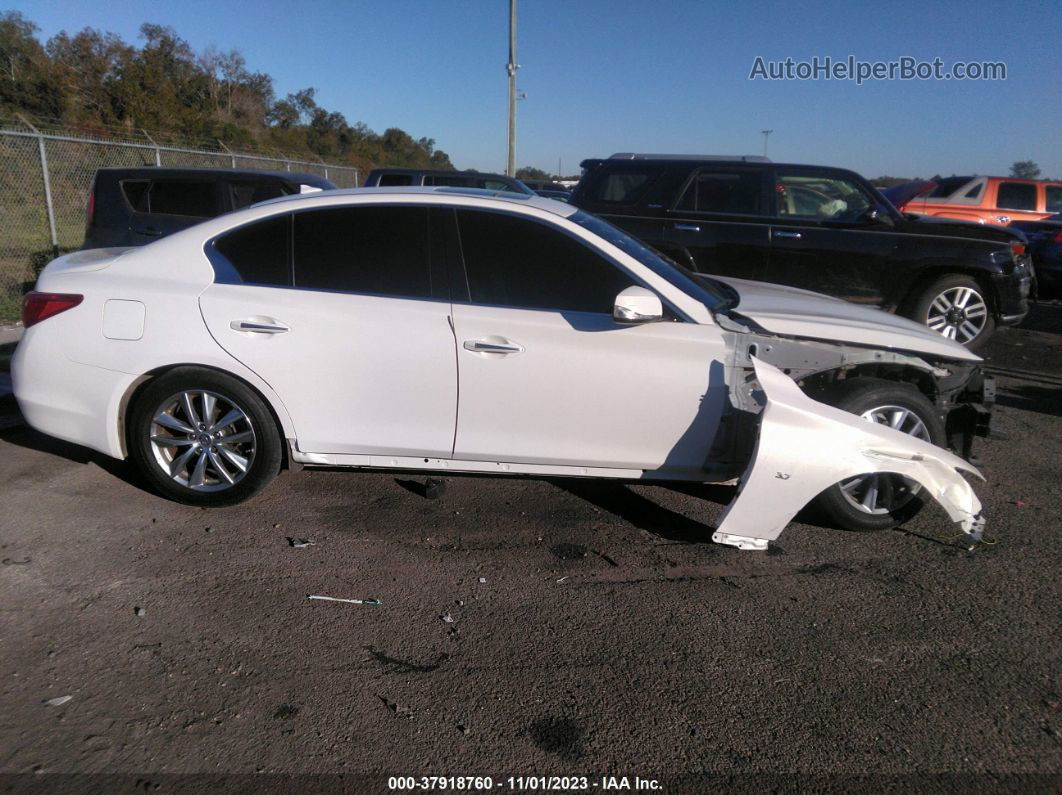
(347, 601)
(58, 701)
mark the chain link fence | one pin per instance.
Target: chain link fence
(44, 182)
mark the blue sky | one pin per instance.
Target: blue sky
(615, 75)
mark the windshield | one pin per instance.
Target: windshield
(708, 291)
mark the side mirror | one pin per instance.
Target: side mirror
(637, 305)
(875, 217)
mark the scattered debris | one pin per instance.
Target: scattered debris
(369, 601)
(446, 618)
(1019, 503)
(300, 543)
(402, 712)
(482, 580)
(139, 612)
(285, 711)
(57, 702)
(462, 728)
(13, 562)
(208, 529)
(434, 488)
(562, 579)
(276, 525)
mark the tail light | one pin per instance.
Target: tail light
(1017, 249)
(1057, 237)
(41, 306)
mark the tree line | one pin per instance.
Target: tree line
(96, 83)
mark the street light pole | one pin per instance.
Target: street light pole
(511, 68)
(765, 134)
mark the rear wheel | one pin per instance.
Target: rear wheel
(882, 500)
(955, 307)
(203, 438)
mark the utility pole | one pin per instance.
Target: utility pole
(765, 134)
(511, 68)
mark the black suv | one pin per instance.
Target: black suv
(400, 177)
(818, 228)
(134, 206)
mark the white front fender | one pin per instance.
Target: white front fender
(805, 447)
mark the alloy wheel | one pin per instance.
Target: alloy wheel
(203, 440)
(883, 493)
(958, 313)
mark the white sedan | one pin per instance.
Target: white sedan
(458, 330)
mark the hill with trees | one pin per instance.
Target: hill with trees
(98, 84)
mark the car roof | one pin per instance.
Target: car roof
(440, 172)
(157, 171)
(442, 191)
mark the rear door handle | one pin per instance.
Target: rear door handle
(259, 326)
(781, 233)
(687, 228)
(484, 346)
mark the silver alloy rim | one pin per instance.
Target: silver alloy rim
(884, 493)
(202, 440)
(959, 313)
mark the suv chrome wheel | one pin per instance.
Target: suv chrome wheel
(883, 493)
(202, 440)
(958, 313)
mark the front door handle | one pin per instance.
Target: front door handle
(259, 326)
(687, 228)
(485, 346)
(781, 233)
(149, 231)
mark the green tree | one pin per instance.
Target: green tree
(1025, 169)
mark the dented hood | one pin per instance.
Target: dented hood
(793, 312)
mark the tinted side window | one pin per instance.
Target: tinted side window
(395, 180)
(737, 192)
(136, 193)
(381, 250)
(1016, 196)
(259, 253)
(525, 264)
(244, 194)
(621, 187)
(1054, 198)
(821, 198)
(183, 197)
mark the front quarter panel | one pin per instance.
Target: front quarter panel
(805, 447)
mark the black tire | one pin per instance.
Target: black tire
(933, 306)
(203, 467)
(838, 504)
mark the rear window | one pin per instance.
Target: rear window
(1016, 196)
(623, 187)
(394, 180)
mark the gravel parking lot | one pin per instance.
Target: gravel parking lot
(532, 627)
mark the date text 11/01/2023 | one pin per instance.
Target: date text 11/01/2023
(524, 783)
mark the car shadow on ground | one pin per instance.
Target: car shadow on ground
(1029, 397)
(617, 498)
(24, 436)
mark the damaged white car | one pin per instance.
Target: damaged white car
(454, 330)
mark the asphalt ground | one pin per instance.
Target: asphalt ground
(529, 628)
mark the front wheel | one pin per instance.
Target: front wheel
(203, 438)
(881, 500)
(955, 307)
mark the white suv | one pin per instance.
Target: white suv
(460, 331)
